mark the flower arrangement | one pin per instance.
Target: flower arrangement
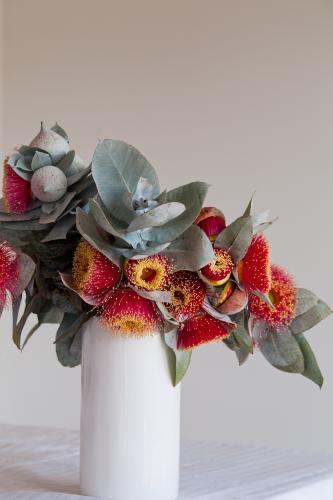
(103, 240)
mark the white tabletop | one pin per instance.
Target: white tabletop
(43, 464)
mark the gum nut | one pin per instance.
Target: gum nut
(49, 183)
(235, 304)
(51, 142)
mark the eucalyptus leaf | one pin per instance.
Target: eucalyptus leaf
(154, 295)
(26, 270)
(61, 206)
(131, 164)
(311, 368)
(191, 251)
(40, 159)
(34, 304)
(60, 229)
(87, 228)
(30, 334)
(311, 316)
(179, 360)
(280, 348)
(66, 162)
(67, 280)
(144, 190)
(157, 216)
(31, 225)
(305, 301)
(60, 131)
(191, 195)
(207, 306)
(248, 209)
(68, 347)
(117, 169)
(16, 302)
(101, 219)
(26, 216)
(68, 329)
(236, 238)
(22, 165)
(73, 179)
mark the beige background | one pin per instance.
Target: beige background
(237, 93)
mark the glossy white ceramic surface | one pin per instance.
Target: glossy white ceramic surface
(130, 418)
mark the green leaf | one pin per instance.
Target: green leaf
(26, 216)
(305, 301)
(59, 130)
(179, 360)
(191, 251)
(310, 310)
(26, 270)
(117, 168)
(280, 348)
(88, 229)
(158, 216)
(154, 295)
(311, 368)
(104, 221)
(240, 341)
(73, 179)
(191, 195)
(34, 305)
(39, 160)
(66, 162)
(248, 209)
(60, 207)
(69, 340)
(60, 229)
(236, 238)
(30, 334)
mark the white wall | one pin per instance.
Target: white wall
(236, 93)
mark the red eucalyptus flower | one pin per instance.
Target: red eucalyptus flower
(283, 297)
(219, 270)
(93, 273)
(128, 313)
(254, 271)
(201, 329)
(187, 294)
(16, 191)
(150, 273)
(9, 273)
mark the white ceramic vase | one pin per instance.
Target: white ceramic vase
(130, 418)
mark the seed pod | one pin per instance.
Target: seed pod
(49, 183)
(51, 142)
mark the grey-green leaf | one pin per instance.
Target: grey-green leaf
(192, 250)
(87, 228)
(69, 340)
(157, 216)
(236, 238)
(179, 360)
(191, 195)
(311, 367)
(310, 310)
(117, 168)
(280, 348)
(40, 159)
(66, 162)
(59, 130)
(60, 229)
